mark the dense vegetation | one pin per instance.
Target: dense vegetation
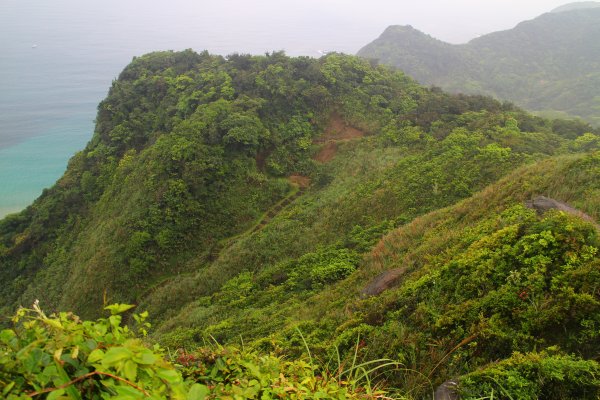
(65, 358)
(253, 200)
(549, 64)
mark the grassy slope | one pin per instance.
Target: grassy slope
(142, 215)
(337, 314)
(172, 169)
(373, 186)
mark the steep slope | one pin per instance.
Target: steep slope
(205, 197)
(189, 149)
(547, 64)
(474, 283)
(487, 278)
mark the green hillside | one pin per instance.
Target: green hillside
(349, 229)
(549, 64)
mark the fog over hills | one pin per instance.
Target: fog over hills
(549, 64)
(577, 6)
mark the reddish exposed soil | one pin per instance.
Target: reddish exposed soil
(337, 131)
(327, 152)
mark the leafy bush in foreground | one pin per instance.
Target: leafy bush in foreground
(63, 357)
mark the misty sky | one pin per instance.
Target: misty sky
(455, 21)
(255, 26)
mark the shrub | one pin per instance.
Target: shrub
(535, 376)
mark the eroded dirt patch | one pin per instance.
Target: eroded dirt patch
(327, 152)
(338, 130)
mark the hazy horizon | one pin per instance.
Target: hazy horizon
(260, 23)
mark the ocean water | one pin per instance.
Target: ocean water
(33, 164)
(58, 59)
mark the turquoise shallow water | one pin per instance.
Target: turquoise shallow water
(29, 166)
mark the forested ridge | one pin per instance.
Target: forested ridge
(343, 231)
(548, 64)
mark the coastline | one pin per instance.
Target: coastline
(37, 163)
(4, 211)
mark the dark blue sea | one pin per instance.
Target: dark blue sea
(58, 59)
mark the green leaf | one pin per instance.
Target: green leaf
(169, 375)
(130, 370)
(72, 392)
(6, 336)
(7, 388)
(115, 355)
(53, 323)
(127, 393)
(56, 394)
(198, 392)
(48, 375)
(118, 308)
(95, 356)
(145, 357)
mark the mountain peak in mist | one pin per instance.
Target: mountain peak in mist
(549, 64)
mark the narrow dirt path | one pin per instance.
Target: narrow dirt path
(276, 210)
(299, 184)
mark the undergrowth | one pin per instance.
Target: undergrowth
(63, 357)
